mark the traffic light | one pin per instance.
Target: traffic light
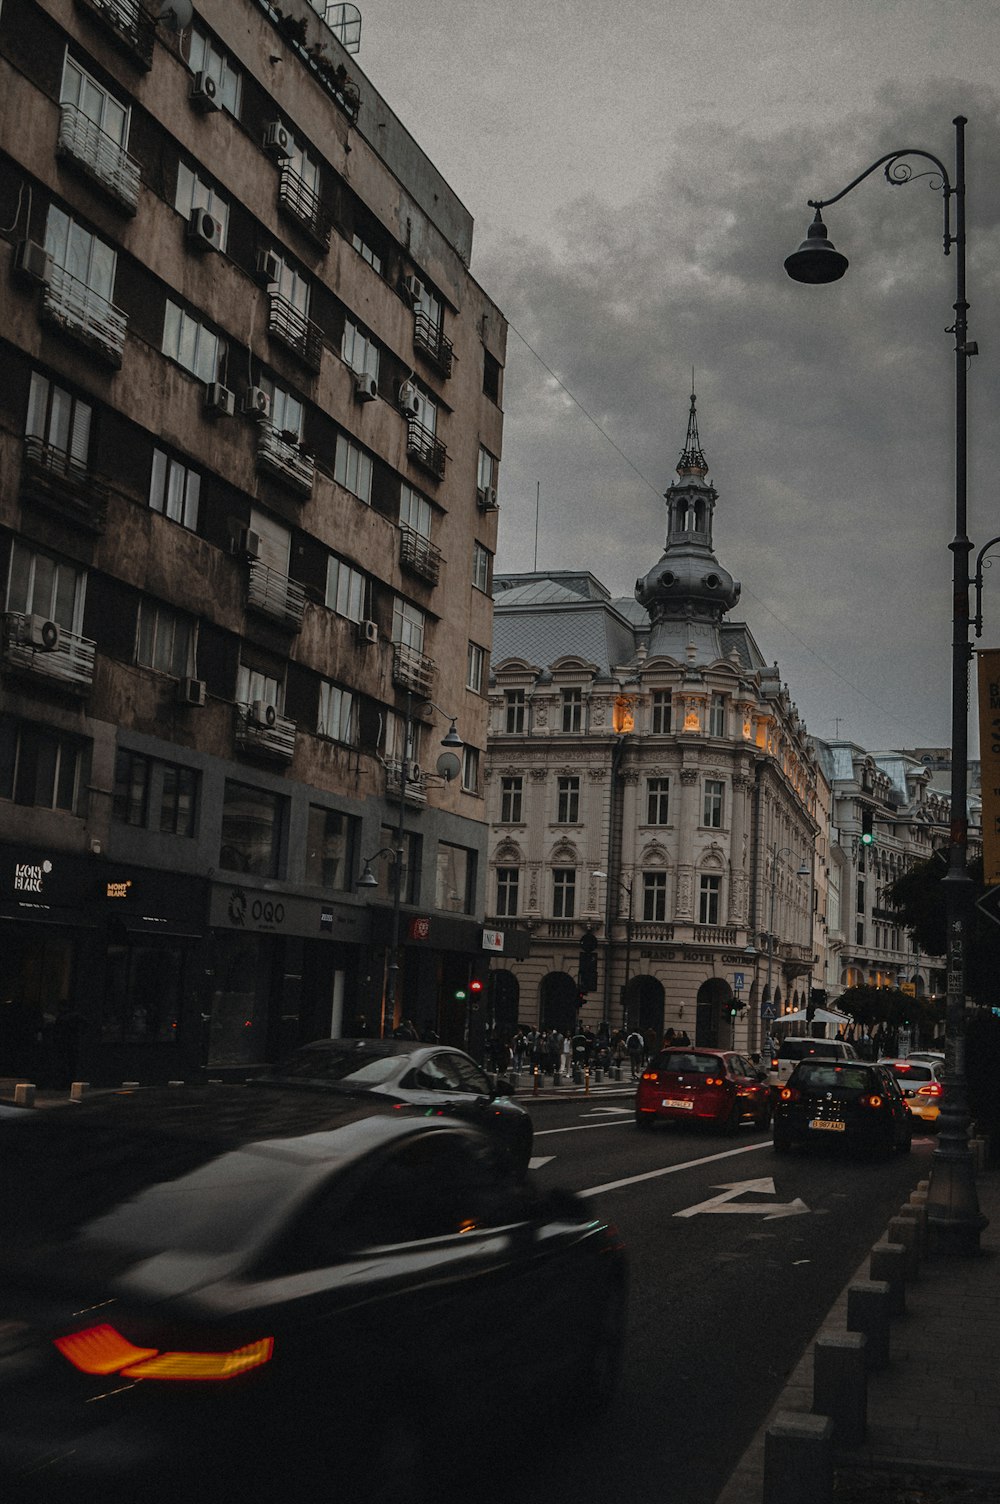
(867, 826)
(475, 986)
(460, 994)
(587, 978)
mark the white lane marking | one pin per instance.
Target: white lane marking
(613, 1111)
(727, 1203)
(537, 1160)
(579, 1127)
(690, 1164)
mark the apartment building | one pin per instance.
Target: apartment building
(250, 429)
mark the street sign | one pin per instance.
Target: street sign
(738, 981)
(990, 903)
(768, 1011)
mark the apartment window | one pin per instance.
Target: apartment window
(130, 803)
(709, 893)
(252, 822)
(352, 468)
(563, 892)
(346, 589)
(475, 665)
(174, 490)
(859, 932)
(408, 625)
(654, 896)
(491, 377)
(486, 473)
(359, 351)
(194, 193)
(511, 796)
(470, 770)
(366, 253)
(178, 800)
(384, 866)
(81, 255)
(861, 898)
(717, 716)
(205, 56)
(336, 712)
(191, 343)
(572, 710)
(415, 511)
(657, 801)
(331, 839)
(508, 880)
(712, 814)
(164, 639)
(59, 420)
(253, 684)
(40, 585)
(455, 878)
(515, 711)
(86, 94)
(480, 567)
(661, 712)
(568, 801)
(286, 411)
(39, 766)
(304, 166)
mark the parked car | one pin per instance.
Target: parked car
(854, 1103)
(717, 1087)
(920, 1081)
(203, 1287)
(434, 1077)
(923, 1055)
(798, 1047)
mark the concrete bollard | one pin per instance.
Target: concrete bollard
(798, 1459)
(868, 1311)
(598, 1076)
(24, 1094)
(887, 1262)
(840, 1385)
(918, 1216)
(577, 1076)
(78, 1090)
(903, 1230)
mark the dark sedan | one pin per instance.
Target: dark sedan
(436, 1078)
(209, 1291)
(842, 1102)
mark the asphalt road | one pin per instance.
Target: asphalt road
(725, 1296)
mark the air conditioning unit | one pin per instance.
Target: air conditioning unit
(191, 692)
(33, 261)
(409, 399)
(248, 543)
(204, 231)
(277, 142)
(365, 387)
(486, 496)
(43, 633)
(263, 713)
(413, 287)
(413, 773)
(256, 402)
(268, 267)
(220, 402)
(368, 631)
(204, 93)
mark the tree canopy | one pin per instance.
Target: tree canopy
(919, 899)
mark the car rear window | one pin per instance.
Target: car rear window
(798, 1049)
(906, 1072)
(697, 1065)
(826, 1074)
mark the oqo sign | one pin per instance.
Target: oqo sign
(262, 911)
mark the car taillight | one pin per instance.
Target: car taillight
(649, 1076)
(715, 1081)
(870, 1099)
(935, 1089)
(789, 1094)
(774, 1062)
(102, 1350)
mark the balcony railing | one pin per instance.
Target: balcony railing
(425, 448)
(130, 26)
(270, 736)
(430, 342)
(44, 650)
(63, 485)
(713, 934)
(412, 789)
(105, 162)
(651, 933)
(411, 670)
(299, 202)
(303, 338)
(84, 315)
(279, 454)
(275, 595)
(419, 554)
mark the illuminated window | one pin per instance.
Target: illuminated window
(623, 715)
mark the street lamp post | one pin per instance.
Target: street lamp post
(368, 879)
(626, 888)
(953, 1213)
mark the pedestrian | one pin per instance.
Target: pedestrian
(636, 1048)
(651, 1041)
(566, 1064)
(682, 1040)
(404, 1030)
(555, 1051)
(669, 1040)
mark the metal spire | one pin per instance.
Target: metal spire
(692, 460)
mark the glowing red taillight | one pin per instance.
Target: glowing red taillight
(935, 1089)
(789, 1094)
(871, 1099)
(102, 1350)
(715, 1081)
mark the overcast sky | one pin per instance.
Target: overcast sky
(637, 173)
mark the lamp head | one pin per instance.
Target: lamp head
(816, 261)
(452, 738)
(367, 878)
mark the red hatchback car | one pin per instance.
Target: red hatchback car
(718, 1087)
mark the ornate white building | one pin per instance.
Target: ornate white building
(649, 784)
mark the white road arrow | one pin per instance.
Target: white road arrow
(537, 1160)
(727, 1202)
(614, 1111)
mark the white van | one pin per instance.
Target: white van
(797, 1047)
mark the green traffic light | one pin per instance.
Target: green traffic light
(460, 995)
(867, 838)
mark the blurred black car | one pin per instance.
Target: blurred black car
(842, 1102)
(210, 1292)
(436, 1077)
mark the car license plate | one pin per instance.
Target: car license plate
(676, 1102)
(832, 1125)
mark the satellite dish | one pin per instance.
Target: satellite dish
(176, 14)
(448, 766)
